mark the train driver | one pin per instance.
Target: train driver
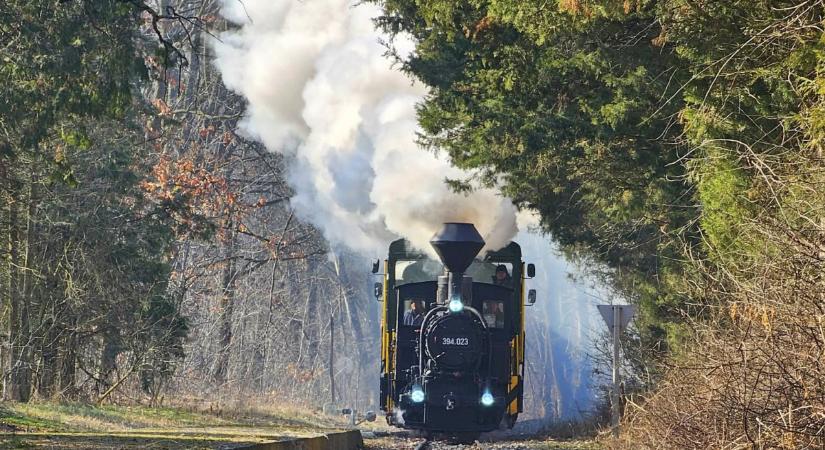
(415, 315)
(502, 276)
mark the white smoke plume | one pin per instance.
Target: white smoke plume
(321, 91)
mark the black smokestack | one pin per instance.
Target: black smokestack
(457, 244)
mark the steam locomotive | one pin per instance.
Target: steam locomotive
(452, 349)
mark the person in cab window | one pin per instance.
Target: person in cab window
(502, 276)
(494, 314)
(415, 314)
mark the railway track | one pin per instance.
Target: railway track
(405, 440)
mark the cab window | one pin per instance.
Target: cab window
(414, 301)
(417, 270)
(496, 306)
(492, 272)
(414, 310)
(493, 313)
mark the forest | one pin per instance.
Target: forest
(154, 252)
(137, 223)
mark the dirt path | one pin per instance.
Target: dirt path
(81, 426)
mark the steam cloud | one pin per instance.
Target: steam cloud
(321, 91)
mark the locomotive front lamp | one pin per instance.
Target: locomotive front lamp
(417, 394)
(487, 398)
(455, 305)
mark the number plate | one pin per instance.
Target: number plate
(455, 341)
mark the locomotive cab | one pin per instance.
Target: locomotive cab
(452, 337)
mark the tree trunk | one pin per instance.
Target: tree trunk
(68, 366)
(308, 350)
(20, 369)
(48, 352)
(111, 348)
(9, 271)
(227, 305)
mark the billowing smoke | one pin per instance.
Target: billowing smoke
(321, 91)
(561, 328)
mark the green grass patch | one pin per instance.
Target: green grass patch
(13, 420)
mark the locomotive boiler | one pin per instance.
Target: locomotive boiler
(452, 350)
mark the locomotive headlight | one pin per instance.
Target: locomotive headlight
(417, 394)
(487, 398)
(455, 305)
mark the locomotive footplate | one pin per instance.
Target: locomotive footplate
(454, 405)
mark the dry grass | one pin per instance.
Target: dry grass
(75, 425)
(752, 374)
(81, 417)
